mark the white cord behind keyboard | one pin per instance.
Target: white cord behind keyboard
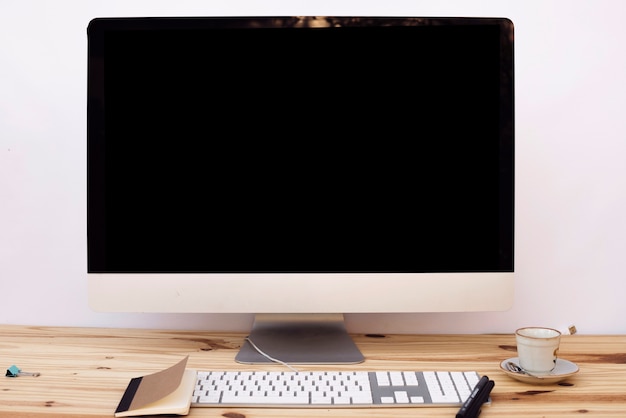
(333, 389)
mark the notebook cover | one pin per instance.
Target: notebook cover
(166, 392)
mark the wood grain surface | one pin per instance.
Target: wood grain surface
(84, 371)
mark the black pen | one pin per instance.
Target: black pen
(483, 398)
(480, 394)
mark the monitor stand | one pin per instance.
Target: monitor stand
(300, 339)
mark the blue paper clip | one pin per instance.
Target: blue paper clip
(15, 371)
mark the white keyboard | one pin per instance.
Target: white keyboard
(332, 389)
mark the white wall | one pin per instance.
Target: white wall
(571, 165)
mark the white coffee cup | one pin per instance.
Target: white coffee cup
(537, 349)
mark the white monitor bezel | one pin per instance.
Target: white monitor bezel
(301, 293)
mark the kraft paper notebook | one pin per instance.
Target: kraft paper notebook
(165, 392)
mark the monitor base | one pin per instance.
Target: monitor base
(300, 339)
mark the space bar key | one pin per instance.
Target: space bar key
(263, 400)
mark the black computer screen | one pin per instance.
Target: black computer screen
(300, 145)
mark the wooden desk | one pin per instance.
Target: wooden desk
(84, 371)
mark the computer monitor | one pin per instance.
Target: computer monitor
(300, 168)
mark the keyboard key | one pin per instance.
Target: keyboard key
(401, 397)
(382, 378)
(396, 378)
(410, 378)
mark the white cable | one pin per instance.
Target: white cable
(268, 356)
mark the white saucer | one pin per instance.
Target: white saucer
(562, 371)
